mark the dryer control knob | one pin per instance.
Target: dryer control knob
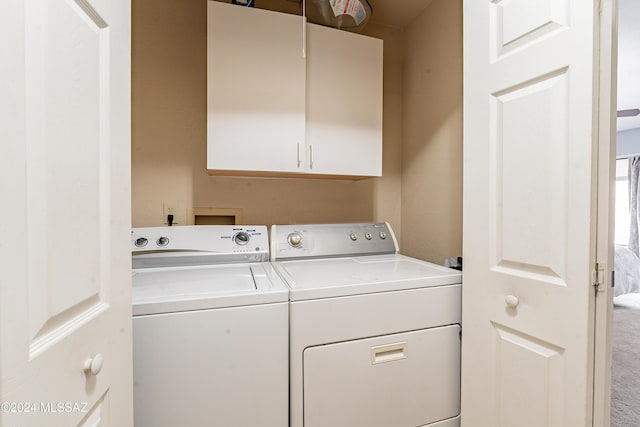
(294, 239)
(241, 238)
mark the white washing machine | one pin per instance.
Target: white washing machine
(210, 328)
(374, 335)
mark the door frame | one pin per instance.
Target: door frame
(606, 155)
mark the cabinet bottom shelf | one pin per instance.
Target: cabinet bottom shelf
(301, 175)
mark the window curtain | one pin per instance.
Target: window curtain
(634, 201)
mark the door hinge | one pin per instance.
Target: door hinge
(598, 278)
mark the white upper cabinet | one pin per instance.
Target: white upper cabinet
(344, 103)
(272, 111)
(255, 90)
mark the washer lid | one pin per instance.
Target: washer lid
(334, 277)
(173, 289)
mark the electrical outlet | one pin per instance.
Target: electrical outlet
(169, 208)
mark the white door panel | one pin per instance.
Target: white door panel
(529, 213)
(65, 251)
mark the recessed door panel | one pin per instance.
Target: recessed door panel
(520, 22)
(524, 361)
(529, 155)
(67, 185)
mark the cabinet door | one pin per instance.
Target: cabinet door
(255, 89)
(344, 103)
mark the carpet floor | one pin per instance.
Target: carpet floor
(625, 370)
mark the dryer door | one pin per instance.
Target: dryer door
(403, 380)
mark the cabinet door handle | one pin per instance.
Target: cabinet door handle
(310, 156)
(299, 155)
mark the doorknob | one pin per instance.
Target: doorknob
(511, 301)
(93, 365)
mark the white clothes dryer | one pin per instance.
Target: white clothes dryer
(374, 335)
(210, 328)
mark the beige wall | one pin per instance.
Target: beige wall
(432, 134)
(169, 134)
(387, 192)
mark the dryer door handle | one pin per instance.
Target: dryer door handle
(389, 352)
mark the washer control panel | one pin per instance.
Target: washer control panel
(323, 240)
(198, 245)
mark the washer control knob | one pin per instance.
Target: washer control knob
(367, 236)
(141, 242)
(162, 241)
(353, 236)
(383, 235)
(294, 239)
(241, 238)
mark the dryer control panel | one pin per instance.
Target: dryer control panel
(198, 245)
(331, 240)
